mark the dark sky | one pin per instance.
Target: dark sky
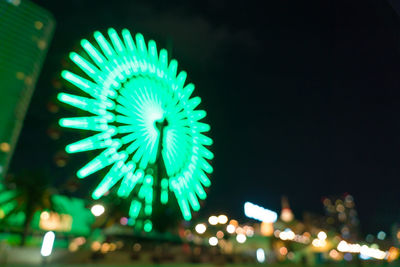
(303, 96)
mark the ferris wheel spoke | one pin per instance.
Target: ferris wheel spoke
(106, 158)
(112, 177)
(135, 209)
(129, 182)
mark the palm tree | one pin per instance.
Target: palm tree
(31, 193)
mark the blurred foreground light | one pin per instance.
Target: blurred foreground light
(47, 245)
(213, 241)
(123, 221)
(393, 254)
(283, 251)
(45, 215)
(267, 228)
(249, 231)
(322, 235)
(234, 223)
(200, 228)
(287, 234)
(97, 210)
(96, 245)
(230, 228)
(260, 255)
(148, 226)
(259, 213)
(381, 235)
(220, 234)
(222, 219)
(334, 254)
(318, 243)
(213, 220)
(241, 238)
(287, 215)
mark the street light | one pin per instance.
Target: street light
(47, 245)
(97, 210)
(200, 228)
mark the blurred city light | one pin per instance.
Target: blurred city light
(283, 251)
(213, 241)
(322, 235)
(97, 210)
(222, 219)
(260, 255)
(259, 213)
(200, 228)
(364, 250)
(287, 234)
(381, 235)
(318, 243)
(47, 245)
(213, 220)
(230, 228)
(241, 238)
(267, 228)
(220, 234)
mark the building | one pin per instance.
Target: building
(25, 33)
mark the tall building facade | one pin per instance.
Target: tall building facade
(25, 34)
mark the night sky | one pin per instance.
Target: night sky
(303, 97)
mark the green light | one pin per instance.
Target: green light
(136, 96)
(135, 209)
(164, 191)
(148, 226)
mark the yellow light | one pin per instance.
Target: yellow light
(105, 248)
(318, 243)
(267, 228)
(80, 240)
(53, 221)
(73, 247)
(200, 228)
(5, 147)
(213, 220)
(45, 215)
(113, 247)
(287, 215)
(334, 254)
(222, 219)
(96, 246)
(234, 223)
(393, 254)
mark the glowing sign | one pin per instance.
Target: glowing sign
(55, 222)
(144, 120)
(259, 213)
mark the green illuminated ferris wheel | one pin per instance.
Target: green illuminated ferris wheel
(144, 124)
